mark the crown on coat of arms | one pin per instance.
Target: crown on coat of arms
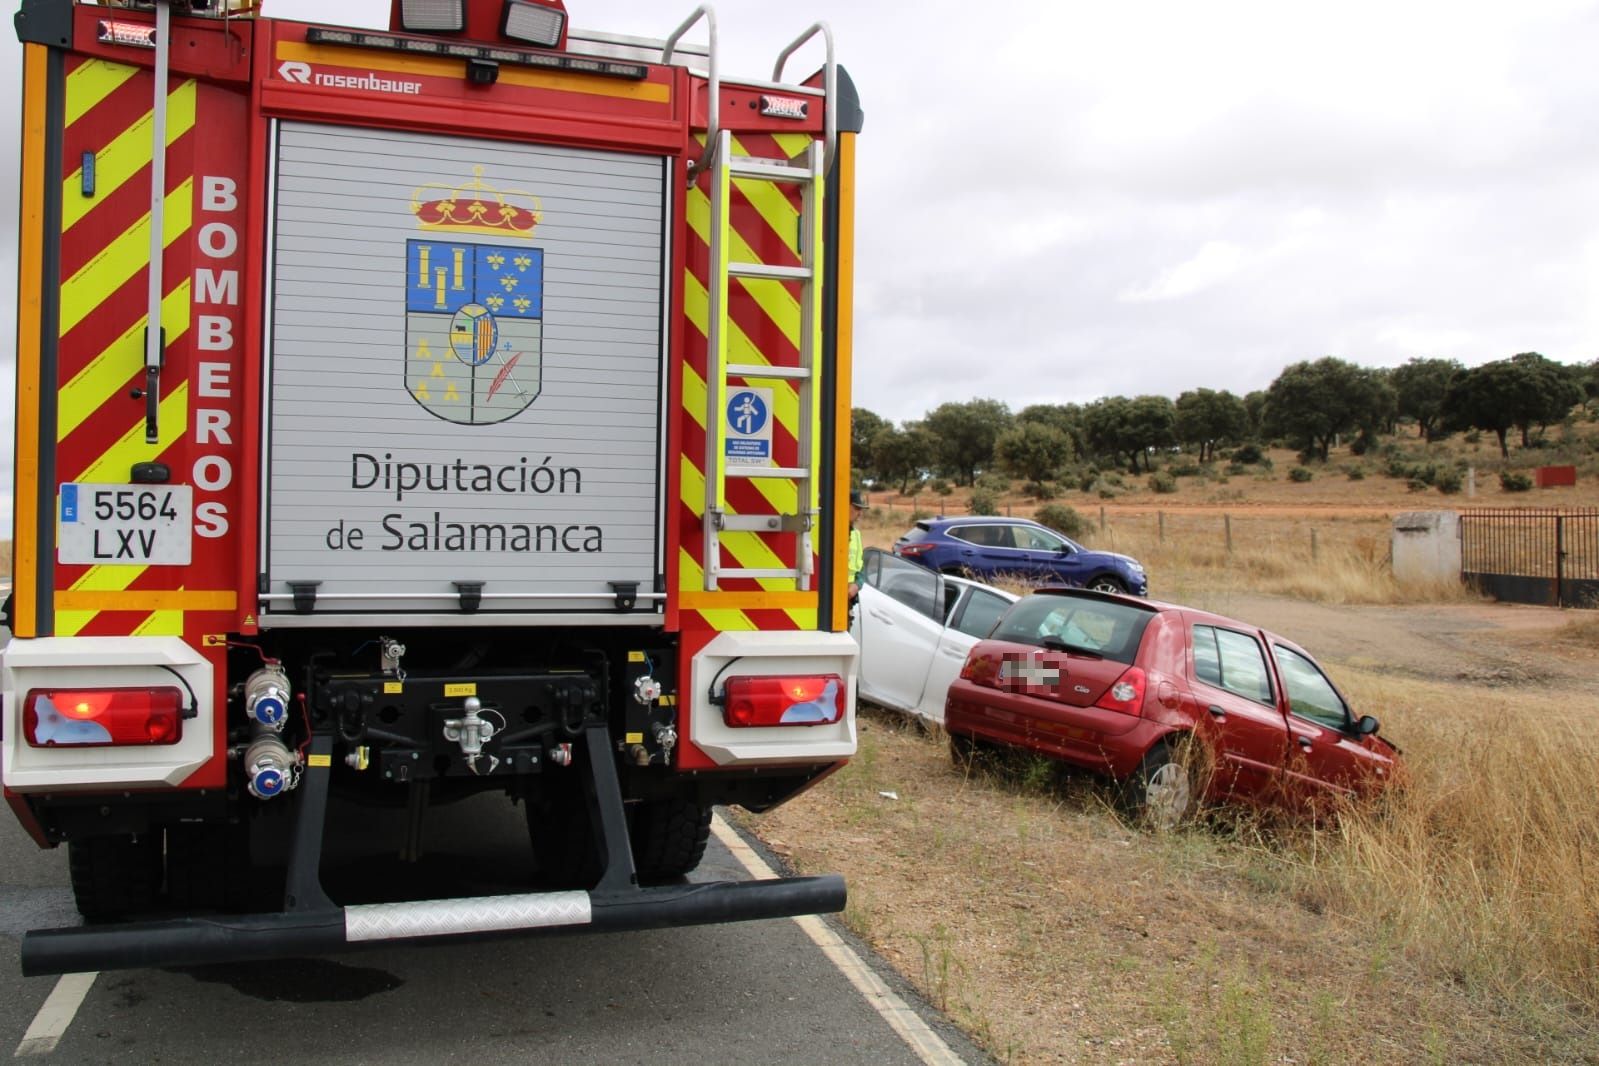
(475, 206)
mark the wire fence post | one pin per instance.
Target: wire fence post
(1313, 542)
(1227, 524)
(1161, 517)
(1102, 518)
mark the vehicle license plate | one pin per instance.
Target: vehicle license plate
(135, 525)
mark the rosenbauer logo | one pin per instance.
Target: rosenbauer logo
(298, 73)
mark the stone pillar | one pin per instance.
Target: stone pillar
(1426, 547)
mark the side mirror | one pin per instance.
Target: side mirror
(1366, 727)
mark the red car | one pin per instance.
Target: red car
(1176, 705)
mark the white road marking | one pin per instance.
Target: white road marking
(928, 1045)
(59, 1008)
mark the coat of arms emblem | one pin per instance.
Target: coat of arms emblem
(474, 312)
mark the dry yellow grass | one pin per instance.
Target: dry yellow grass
(1022, 906)
(1457, 921)
(1325, 559)
(1486, 867)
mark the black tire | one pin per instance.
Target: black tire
(1164, 792)
(1106, 583)
(565, 850)
(668, 837)
(208, 869)
(967, 752)
(115, 877)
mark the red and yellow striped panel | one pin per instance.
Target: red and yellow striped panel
(105, 250)
(763, 328)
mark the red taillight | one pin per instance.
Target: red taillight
(87, 718)
(813, 699)
(911, 551)
(1126, 694)
(979, 668)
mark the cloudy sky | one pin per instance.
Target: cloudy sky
(1084, 199)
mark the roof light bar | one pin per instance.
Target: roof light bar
(387, 42)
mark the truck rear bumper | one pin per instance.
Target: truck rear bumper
(239, 938)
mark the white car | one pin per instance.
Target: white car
(915, 627)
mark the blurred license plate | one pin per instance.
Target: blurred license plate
(137, 525)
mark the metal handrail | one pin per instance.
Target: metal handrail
(830, 87)
(714, 107)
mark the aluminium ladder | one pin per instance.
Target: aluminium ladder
(807, 171)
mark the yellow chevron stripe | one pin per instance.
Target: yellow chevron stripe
(740, 349)
(107, 372)
(785, 398)
(122, 258)
(722, 621)
(771, 296)
(372, 59)
(161, 624)
(771, 203)
(780, 494)
(92, 82)
(747, 549)
(793, 144)
(114, 464)
(126, 155)
(69, 623)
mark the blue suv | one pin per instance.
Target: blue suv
(988, 547)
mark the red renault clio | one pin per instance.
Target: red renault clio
(1178, 706)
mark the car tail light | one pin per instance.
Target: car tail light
(1126, 694)
(979, 669)
(813, 699)
(85, 718)
(911, 551)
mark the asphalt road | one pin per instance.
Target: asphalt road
(753, 992)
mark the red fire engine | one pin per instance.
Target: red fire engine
(406, 415)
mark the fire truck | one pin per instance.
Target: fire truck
(406, 415)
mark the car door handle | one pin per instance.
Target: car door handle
(1304, 742)
(883, 618)
(967, 551)
(1216, 711)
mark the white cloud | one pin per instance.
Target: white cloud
(1066, 200)
(1214, 264)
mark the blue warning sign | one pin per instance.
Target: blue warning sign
(748, 430)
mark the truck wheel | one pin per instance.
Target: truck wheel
(565, 851)
(115, 876)
(208, 867)
(668, 837)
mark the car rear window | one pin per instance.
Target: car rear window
(916, 533)
(1078, 623)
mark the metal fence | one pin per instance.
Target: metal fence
(1532, 555)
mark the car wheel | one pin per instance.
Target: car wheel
(1106, 583)
(1164, 791)
(965, 752)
